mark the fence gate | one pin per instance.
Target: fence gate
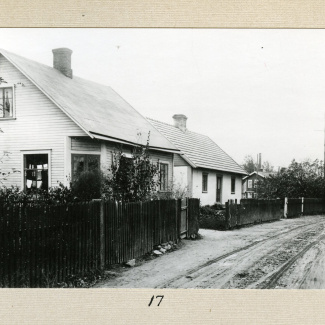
(183, 224)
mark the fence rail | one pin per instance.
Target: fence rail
(41, 244)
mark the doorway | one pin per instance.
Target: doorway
(219, 189)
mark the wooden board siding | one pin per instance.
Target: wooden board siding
(179, 161)
(85, 144)
(39, 124)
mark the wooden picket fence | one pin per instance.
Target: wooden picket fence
(44, 244)
(251, 211)
(303, 206)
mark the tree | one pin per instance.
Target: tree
(266, 166)
(249, 164)
(132, 179)
(304, 179)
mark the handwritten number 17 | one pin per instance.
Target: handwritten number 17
(153, 297)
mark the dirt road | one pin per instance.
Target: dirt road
(283, 254)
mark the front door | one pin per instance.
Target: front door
(219, 187)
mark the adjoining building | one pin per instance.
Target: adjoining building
(203, 167)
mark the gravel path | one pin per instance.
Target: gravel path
(283, 254)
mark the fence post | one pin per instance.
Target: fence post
(302, 206)
(102, 235)
(285, 210)
(176, 221)
(227, 215)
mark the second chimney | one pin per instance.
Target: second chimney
(62, 61)
(180, 121)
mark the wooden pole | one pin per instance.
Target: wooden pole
(285, 211)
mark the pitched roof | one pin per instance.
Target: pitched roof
(96, 108)
(262, 174)
(198, 149)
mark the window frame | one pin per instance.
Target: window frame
(233, 185)
(207, 181)
(250, 181)
(165, 163)
(86, 155)
(36, 152)
(13, 109)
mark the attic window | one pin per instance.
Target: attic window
(6, 102)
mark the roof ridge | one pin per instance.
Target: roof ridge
(187, 130)
(52, 68)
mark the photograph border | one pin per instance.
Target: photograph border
(181, 306)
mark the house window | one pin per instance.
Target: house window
(36, 171)
(6, 102)
(250, 183)
(84, 163)
(233, 185)
(163, 177)
(204, 183)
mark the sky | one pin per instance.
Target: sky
(250, 90)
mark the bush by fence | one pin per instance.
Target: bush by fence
(212, 218)
(43, 244)
(249, 211)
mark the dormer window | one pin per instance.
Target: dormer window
(6, 102)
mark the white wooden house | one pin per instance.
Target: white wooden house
(209, 173)
(55, 125)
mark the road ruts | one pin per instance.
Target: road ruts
(169, 283)
(272, 280)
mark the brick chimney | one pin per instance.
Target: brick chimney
(180, 121)
(62, 61)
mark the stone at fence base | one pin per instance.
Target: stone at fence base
(110, 273)
(168, 247)
(130, 263)
(157, 252)
(170, 242)
(163, 250)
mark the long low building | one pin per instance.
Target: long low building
(203, 167)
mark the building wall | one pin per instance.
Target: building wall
(210, 196)
(106, 150)
(39, 124)
(179, 161)
(183, 178)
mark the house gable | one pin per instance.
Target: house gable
(97, 109)
(38, 125)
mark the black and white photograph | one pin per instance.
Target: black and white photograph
(162, 158)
